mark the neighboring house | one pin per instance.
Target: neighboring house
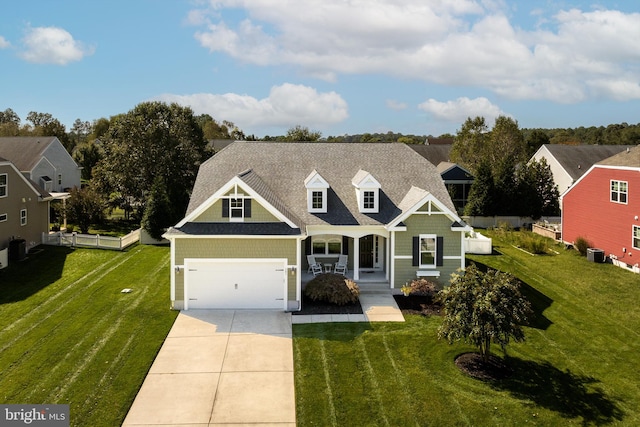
(457, 179)
(569, 162)
(603, 207)
(257, 210)
(24, 207)
(42, 159)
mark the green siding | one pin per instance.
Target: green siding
(235, 248)
(437, 224)
(258, 214)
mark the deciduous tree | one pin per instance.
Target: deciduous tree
(154, 139)
(85, 207)
(483, 308)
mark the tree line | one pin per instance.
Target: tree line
(145, 161)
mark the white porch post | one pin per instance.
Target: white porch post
(392, 256)
(356, 258)
(388, 258)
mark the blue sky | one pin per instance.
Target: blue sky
(335, 66)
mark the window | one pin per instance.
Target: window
(317, 201)
(3, 217)
(236, 208)
(23, 217)
(316, 192)
(326, 245)
(369, 200)
(428, 246)
(59, 179)
(619, 191)
(3, 185)
(636, 237)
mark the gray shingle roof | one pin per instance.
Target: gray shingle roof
(234, 229)
(577, 159)
(278, 171)
(627, 158)
(24, 151)
(436, 154)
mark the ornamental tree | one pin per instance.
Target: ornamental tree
(483, 308)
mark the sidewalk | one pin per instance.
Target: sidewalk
(376, 307)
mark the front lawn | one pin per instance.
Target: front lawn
(69, 336)
(579, 365)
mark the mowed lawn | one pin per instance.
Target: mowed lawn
(69, 336)
(579, 366)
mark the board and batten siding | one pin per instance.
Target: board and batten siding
(214, 214)
(418, 224)
(235, 248)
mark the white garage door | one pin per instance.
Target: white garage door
(250, 283)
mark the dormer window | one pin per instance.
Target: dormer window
(316, 193)
(367, 192)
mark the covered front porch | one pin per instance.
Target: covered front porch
(366, 251)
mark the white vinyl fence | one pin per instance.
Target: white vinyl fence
(476, 243)
(91, 240)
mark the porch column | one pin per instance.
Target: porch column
(388, 254)
(356, 259)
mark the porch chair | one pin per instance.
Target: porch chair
(314, 266)
(341, 265)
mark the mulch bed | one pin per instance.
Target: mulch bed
(319, 307)
(493, 370)
(415, 304)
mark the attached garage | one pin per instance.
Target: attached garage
(235, 283)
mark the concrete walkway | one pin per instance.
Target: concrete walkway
(219, 368)
(376, 307)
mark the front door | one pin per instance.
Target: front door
(366, 251)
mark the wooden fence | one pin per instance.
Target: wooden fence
(91, 240)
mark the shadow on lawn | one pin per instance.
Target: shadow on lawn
(22, 279)
(539, 302)
(569, 394)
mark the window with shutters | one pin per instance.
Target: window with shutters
(236, 208)
(428, 250)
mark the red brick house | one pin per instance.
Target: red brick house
(603, 206)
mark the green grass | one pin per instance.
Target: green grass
(69, 336)
(579, 364)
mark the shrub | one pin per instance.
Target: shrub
(533, 243)
(332, 288)
(420, 287)
(581, 244)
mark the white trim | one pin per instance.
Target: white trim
(451, 257)
(428, 273)
(428, 198)
(222, 191)
(633, 229)
(172, 250)
(26, 181)
(5, 185)
(626, 192)
(25, 217)
(392, 257)
(348, 230)
(403, 257)
(6, 217)
(233, 236)
(435, 250)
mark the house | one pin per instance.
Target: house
(603, 206)
(569, 162)
(24, 208)
(42, 159)
(258, 208)
(457, 179)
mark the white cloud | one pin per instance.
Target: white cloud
(52, 45)
(286, 106)
(459, 110)
(4, 43)
(567, 57)
(395, 105)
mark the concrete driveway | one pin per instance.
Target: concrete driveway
(220, 367)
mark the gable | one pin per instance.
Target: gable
(282, 169)
(214, 213)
